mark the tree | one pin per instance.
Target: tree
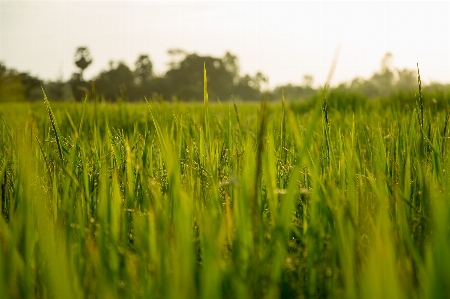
(259, 81)
(307, 81)
(407, 80)
(31, 86)
(384, 80)
(231, 64)
(78, 87)
(143, 69)
(381, 84)
(186, 78)
(82, 59)
(176, 56)
(293, 92)
(249, 88)
(57, 90)
(18, 86)
(117, 82)
(386, 62)
(11, 88)
(246, 89)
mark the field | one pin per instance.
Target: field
(223, 200)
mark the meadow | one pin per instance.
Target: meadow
(333, 198)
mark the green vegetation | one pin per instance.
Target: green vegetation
(271, 200)
(183, 82)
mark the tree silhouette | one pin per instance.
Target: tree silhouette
(31, 86)
(186, 78)
(231, 64)
(143, 69)
(176, 56)
(82, 59)
(246, 89)
(11, 88)
(115, 83)
(407, 80)
(307, 81)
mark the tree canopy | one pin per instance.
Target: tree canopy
(82, 59)
(183, 81)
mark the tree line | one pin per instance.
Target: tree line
(184, 81)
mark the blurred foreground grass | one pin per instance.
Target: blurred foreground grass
(222, 201)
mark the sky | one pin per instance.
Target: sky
(283, 40)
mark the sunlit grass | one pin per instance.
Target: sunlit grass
(161, 200)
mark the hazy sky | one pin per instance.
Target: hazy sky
(284, 40)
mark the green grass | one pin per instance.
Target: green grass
(270, 200)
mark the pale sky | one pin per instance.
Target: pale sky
(283, 40)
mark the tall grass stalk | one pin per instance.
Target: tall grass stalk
(162, 200)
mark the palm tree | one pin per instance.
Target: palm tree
(82, 59)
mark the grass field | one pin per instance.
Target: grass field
(267, 200)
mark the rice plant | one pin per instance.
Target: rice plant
(174, 200)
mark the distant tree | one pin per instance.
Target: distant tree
(11, 89)
(82, 59)
(259, 81)
(143, 69)
(158, 87)
(18, 86)
(186, 78)
(57, 90)
(31, 86)
(386, 62)
(248, 88)
(407, 80)
(78, 87)
(384, 81)
(293, 92)
(115, 83)
(381, 84)
(176, 56)
(307, 81)
(245, 89)
(231, 64)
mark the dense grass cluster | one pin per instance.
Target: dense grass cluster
(164, 200)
